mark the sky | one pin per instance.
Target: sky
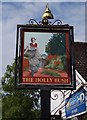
(15, 12)
(40, 38)
(43, 0)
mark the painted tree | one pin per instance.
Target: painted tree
(18, 104)
(56, 44)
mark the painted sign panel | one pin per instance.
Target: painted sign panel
(76, 103)
(46, 57)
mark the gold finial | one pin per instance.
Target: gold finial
(47, 13)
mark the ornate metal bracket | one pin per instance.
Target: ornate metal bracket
(58, 22)
(56, 96)
(33, 21)
(45, 22)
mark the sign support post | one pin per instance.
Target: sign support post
(45, 104)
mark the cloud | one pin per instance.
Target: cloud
(73, 14)
(0, 39)
(43, 0)
(14, 13)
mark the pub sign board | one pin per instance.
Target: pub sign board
(44, 57)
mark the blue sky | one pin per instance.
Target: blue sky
(43, 0)
(19, 12)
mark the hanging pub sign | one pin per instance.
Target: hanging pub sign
(44, 57)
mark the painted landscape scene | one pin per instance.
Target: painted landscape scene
(45, 55)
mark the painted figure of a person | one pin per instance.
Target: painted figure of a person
(33, 44)
(34, 55)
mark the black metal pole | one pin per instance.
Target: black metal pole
(45, 105)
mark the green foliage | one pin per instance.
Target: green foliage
(51, 65)
(57, 44)
(58, 63)
(54, 74)
(18, 103)
(63, 59)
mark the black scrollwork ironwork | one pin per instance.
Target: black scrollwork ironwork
(57, 22)
(33, 21)
(61, 105)
(55, 96)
